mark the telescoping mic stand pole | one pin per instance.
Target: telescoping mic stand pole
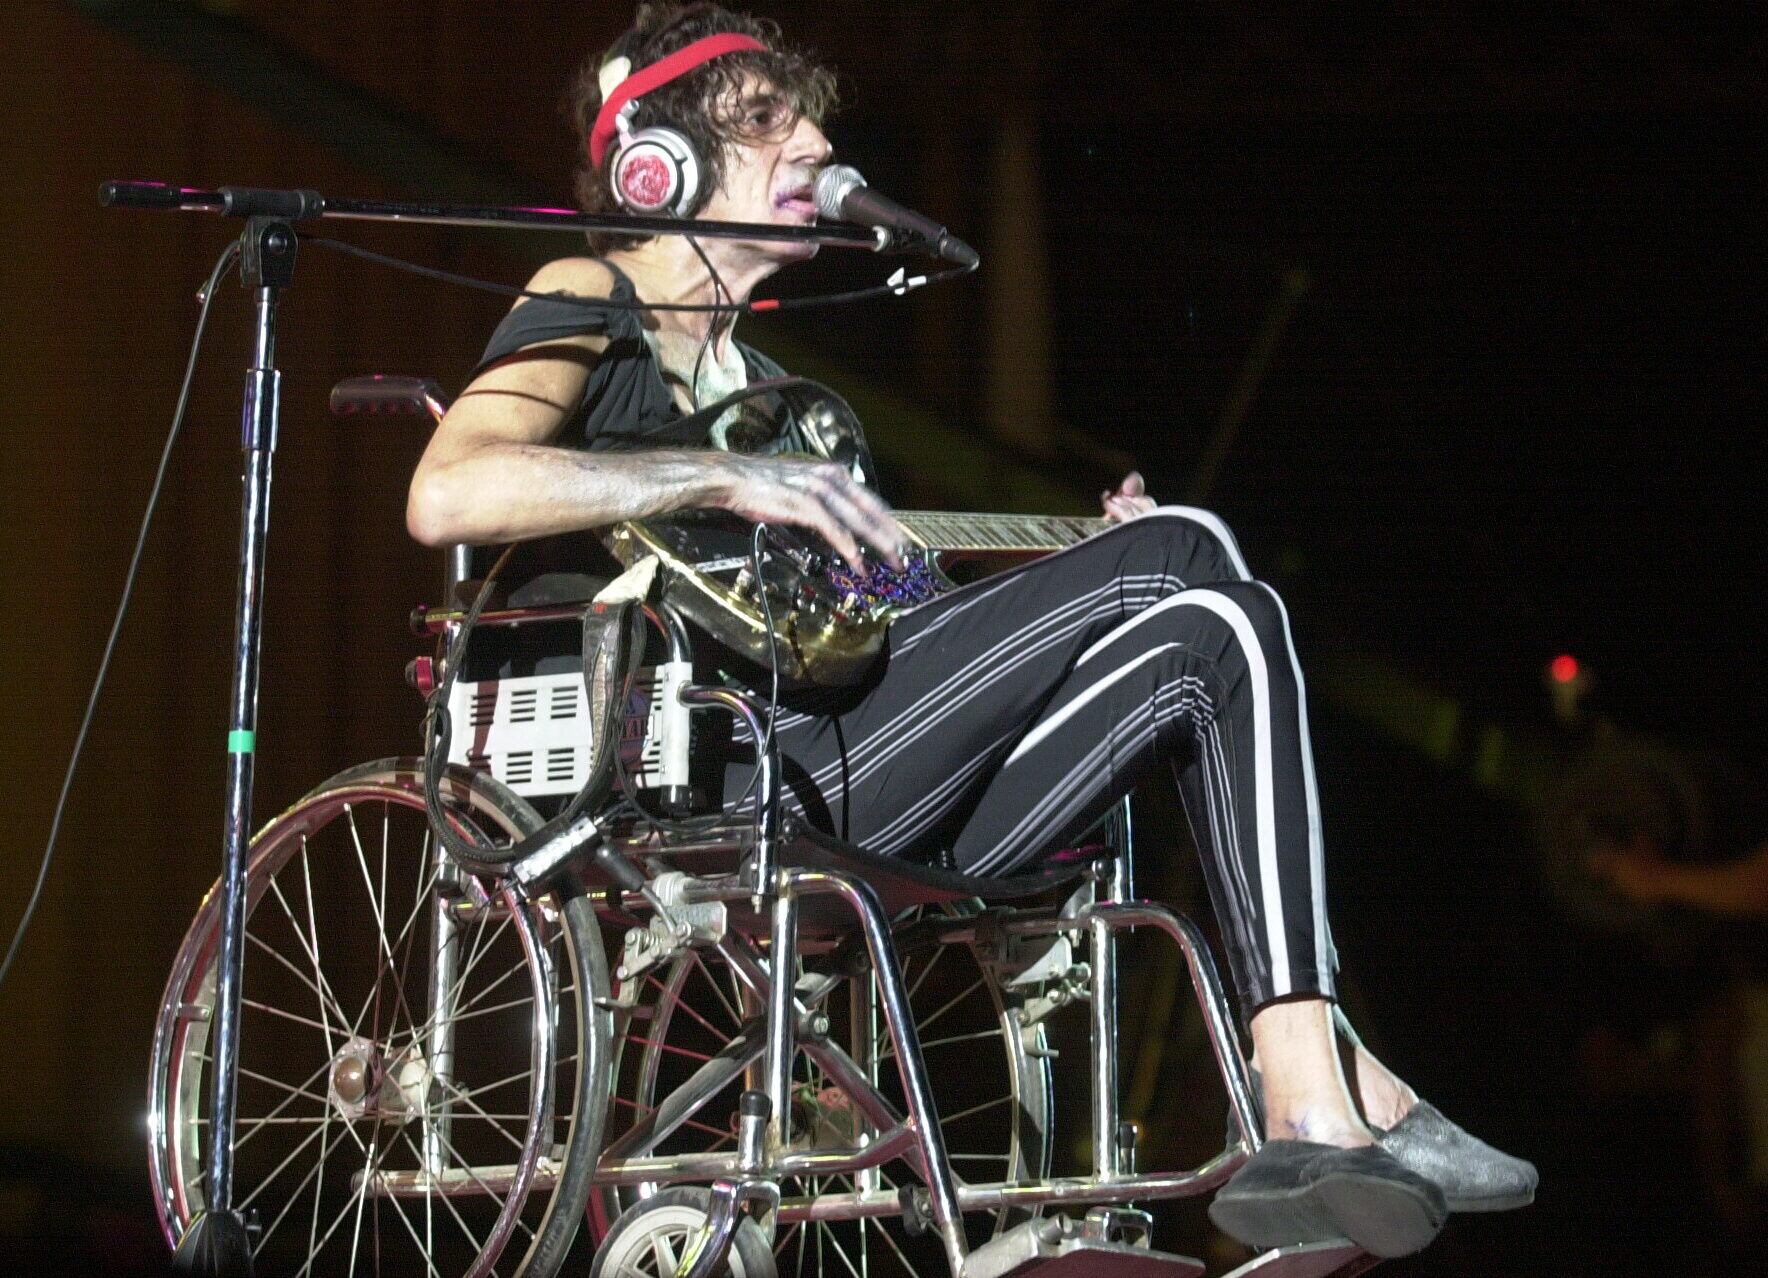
(218, 1244)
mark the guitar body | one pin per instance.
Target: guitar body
(829, 621)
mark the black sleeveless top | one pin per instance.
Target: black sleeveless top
(626, 396)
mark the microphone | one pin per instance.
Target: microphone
(843, 196)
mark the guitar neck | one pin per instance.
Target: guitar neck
(1010, 534)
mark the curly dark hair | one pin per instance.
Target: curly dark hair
(705, 104)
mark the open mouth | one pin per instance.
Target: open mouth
(798, 200)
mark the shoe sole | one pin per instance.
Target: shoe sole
(1384, 1218)
(1273, 1219)
(1502, 1202)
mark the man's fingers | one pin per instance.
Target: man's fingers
(862, 512)
(1132, 485)
(832, 531)
(881, 531)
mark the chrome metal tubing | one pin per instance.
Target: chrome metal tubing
(782, 1019)
(923, 1113)
(764, 865)
(862, 1017)
(1102, 1046)
(860, 1089)
(1077, 1192)
(666, 1168)
(711, 1244)
(1210, 997)
(712, 1077)
(444, 968)
(893, 1142)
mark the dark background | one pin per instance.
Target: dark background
(1469, 286)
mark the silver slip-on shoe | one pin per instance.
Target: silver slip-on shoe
(1296, 1191)
(1472, 1175)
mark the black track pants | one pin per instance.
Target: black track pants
(1013, 713)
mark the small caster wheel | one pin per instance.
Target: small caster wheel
(648, 1238)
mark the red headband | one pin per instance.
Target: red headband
(657, 75)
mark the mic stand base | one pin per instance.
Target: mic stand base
(216, 1245)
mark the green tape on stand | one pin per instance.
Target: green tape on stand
(240, 741)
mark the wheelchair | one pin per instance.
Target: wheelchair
(648, 1047)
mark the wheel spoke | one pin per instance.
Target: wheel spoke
(318, 1192)
(885, 1235)
(299, 975)
(676, 1005)
(482, 945)
(405, 1220)
(467, 1099)
(923, 1026)
(448, 1203)
(282, 1086)
(296, 1017)
(927, 1044)
(385, 964)
(331, 1046)
(277, 1170)
(975, 1109)
(294, 1197)
(490, 1193)
(294, 1095)
(717, 990)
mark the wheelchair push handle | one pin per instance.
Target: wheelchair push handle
(384, 395)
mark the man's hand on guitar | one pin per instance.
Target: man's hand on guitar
(820, 496)
(1130, 499)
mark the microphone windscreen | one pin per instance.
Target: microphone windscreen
(833, 185)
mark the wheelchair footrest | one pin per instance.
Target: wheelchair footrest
(1336, 1259)
(1051, 1248)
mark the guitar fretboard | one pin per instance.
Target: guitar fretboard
(952, 531)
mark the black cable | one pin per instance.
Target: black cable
(755, 306)
(153, 497)
(702, 825)
(718, 290)
(773, 644)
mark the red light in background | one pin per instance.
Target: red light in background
(1563, 668)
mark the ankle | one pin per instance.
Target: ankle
(1321, 1127)
(1384, 1098)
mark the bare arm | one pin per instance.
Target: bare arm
(493, 473)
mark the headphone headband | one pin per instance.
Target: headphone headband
(657, 75)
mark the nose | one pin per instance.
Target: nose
(807, 145)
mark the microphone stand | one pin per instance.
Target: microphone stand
(218, 1241)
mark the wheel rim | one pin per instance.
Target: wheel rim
(651, 1244)
(691, 1008)
(343, 1069)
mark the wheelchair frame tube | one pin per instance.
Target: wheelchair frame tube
(444, 968)
(923, 1114)
(1117, 887)
(782, 1018)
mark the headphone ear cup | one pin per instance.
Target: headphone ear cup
(656, 171)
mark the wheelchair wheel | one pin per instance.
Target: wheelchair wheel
(989, 1073)
(422, 1064)
(649, 1237)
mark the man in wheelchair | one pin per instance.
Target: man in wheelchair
(1005, 717)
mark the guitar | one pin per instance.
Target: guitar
(829, 620)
